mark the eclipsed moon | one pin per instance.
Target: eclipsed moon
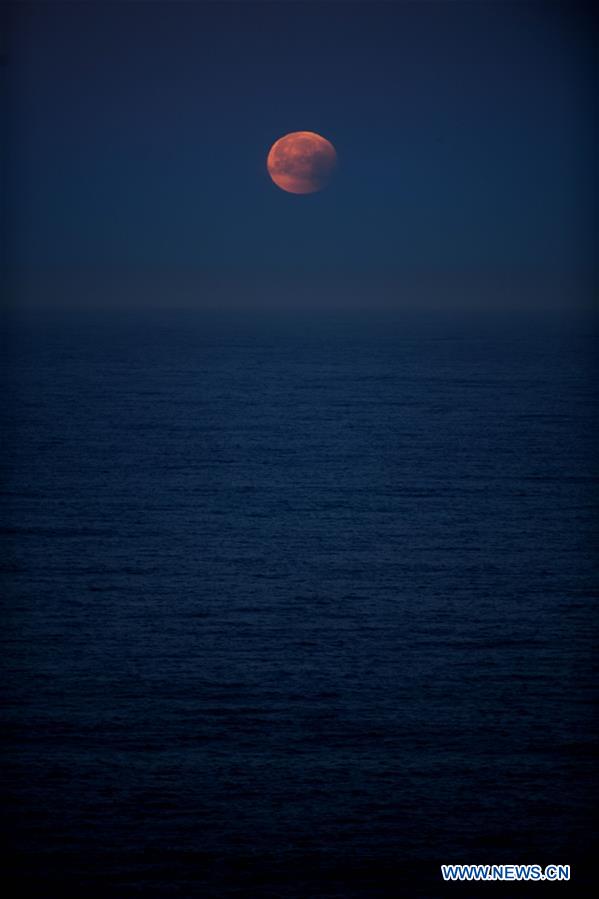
(301, 162)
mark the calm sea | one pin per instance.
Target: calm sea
(295, 611)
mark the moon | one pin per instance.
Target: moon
(301, 162)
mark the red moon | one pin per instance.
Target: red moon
(301, 162)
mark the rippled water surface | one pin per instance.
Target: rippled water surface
(294, 612)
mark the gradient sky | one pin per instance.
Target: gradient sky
(138, 134)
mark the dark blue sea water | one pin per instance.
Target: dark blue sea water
(296, 611)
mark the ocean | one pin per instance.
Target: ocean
(295, 611)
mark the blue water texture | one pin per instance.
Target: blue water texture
(295, 611)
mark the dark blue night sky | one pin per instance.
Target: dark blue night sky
(140, 132)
